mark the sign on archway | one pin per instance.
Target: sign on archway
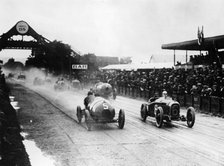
(22, 27)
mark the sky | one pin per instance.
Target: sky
(135, 28)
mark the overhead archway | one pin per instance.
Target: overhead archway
(22, 29)
(23, 36)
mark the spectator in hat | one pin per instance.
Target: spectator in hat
(215, 90)
(221, 94)
(194, 90)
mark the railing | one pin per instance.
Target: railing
(207, 104)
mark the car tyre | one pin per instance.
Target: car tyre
(121, 119)
(79, 114)
(88, 120)
(190, 117)
(143, 112)
(159, 117)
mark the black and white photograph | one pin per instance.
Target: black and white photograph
(111, 83)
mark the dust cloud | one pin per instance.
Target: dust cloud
(48, 85)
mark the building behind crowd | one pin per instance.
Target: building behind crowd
(105, 60)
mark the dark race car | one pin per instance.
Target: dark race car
(76, 84)
(98, 109)
(166, 109)
(61, 85)
(21, 77)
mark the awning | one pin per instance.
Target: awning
(209, 43)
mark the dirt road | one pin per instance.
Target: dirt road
(49, 119)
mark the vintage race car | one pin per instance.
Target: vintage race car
(99, 109)
(61, 85)
(47, 80)
(38, 81)
(76, 84)
(166, 109)
(21, 77)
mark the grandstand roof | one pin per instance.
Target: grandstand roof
(139, 66)
(208, 43)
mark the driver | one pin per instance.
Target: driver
(156, 96)
(164, 94)
(90, 97)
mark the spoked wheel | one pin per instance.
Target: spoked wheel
(159, 117)
(121, 119)
(79, 114)
(190, 117)
(143, 112)
(88, 120)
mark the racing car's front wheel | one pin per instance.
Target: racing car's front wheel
(121, 119)
(190, 117)
(88, 120)
(159, 117)
(143, 112)
(79, 114)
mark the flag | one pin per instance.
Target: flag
(150, 59)
(202, 34)
(199, 36)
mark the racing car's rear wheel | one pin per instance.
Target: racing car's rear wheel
(88, 120)
(143, 112)
(121, 119)
(190, 117)
(159, 117)
(79, 114)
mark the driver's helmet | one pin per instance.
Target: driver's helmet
(164, 94)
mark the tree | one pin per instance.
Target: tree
(54, 56)
(13, 65)
(90, 60)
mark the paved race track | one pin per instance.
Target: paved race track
(49, 118)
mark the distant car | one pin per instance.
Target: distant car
(21, 76)
(76, 84)
(166, 109)
(47, 80)
(10, 75)
(38, 81)
(99, 109)
(61, 85)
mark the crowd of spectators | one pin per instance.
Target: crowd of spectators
(203, 81)
(206, 59)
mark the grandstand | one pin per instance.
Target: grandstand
(199, 82)
(213, 47)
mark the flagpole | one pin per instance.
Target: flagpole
(174, 58)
